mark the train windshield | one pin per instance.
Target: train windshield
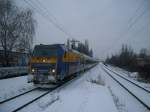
(44, 51)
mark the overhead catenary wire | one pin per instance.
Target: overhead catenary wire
(46, 15)
(40, 5)
(52, 16)
(132, 21)
(138, 18)
(141, 29)
(136, 12)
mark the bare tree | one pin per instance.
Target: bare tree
(16, 29)
(143, 53)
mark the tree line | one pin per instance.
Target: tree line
(81, 47)
(17, 28)
(129, 60)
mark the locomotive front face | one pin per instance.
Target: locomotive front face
(43, 65)
(44, 71)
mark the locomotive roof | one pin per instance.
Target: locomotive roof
(50, 46)
(64, 47)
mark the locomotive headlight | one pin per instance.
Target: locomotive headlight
(44, 60)
(53, 70)
(33, 70)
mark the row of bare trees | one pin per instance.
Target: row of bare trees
(81, 47)
(17, 28)
(131, 61)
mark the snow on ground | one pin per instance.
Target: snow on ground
(94, 91)
(11, 105)
(142, 95)
(123, 100)
(130, 76)
(86, 94)
(13, 86)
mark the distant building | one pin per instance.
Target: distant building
(143, 62)
(144, 65)
(16, 58)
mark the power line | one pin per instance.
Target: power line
(131, 24)
(135, 12)
(46, 16)
(42, 6)
(137, 19)
(52, 16)
(142, 29)
(133, 20)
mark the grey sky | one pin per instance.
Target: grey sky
(105, 23)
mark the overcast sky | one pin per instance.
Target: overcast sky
(105, 23)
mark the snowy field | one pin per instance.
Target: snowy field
(13, 86)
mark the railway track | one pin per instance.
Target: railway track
(25, 99)
(138, 92)
(3, 101)
(17, 103)
(118, 74)
(21, 101)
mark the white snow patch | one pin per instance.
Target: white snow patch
(134, 75)
(13, 86)
(47, 101)
(87, 97)
(97, 80)
(120, 104)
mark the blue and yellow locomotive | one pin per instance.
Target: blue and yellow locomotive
(49, 64)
